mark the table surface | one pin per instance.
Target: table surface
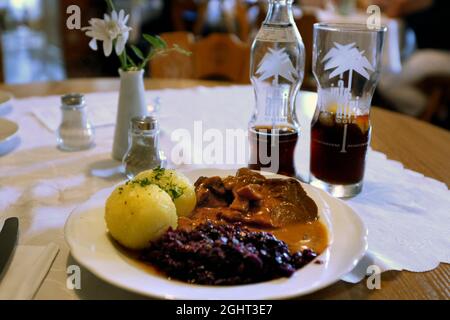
(419, 146)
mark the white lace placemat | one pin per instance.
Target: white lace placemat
(408, 215)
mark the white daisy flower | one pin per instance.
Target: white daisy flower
(111, 28)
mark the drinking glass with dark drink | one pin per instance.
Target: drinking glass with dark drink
(346, 65)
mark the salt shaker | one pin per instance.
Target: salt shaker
(143, 151)
(75, 132)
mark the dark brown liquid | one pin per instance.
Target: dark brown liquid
(284, 140)
(338, 148)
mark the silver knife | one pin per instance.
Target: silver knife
(8, 239)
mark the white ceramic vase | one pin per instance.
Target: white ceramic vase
(131, 104)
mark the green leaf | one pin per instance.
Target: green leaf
(163, 42)
(155, 41)
(137, 52)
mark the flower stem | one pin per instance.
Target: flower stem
(110, 5)
(123, 62)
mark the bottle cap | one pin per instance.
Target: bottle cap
(144, 123)
(72, 99)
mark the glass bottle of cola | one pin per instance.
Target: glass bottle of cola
(276, 72)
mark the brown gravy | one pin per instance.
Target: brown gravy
(312, 235)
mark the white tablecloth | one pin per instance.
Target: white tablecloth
(407, 214)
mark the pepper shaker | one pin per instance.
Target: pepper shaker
(143, 151)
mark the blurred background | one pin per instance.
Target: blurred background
(36, 45)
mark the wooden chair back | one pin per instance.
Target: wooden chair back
(437, 89)
(222, 57)
(242, 20)
(175, 65)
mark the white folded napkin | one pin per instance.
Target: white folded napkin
(26, 271)
(50, 116)
(101, 108)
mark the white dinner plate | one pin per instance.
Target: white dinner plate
(8, 133)
(90, 245)
(5, 102)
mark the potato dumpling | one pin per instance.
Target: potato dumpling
(136, 214)
(176, 184)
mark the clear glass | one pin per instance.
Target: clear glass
(276, 72)
(346, 65)
(143, 152)
(75, 132)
